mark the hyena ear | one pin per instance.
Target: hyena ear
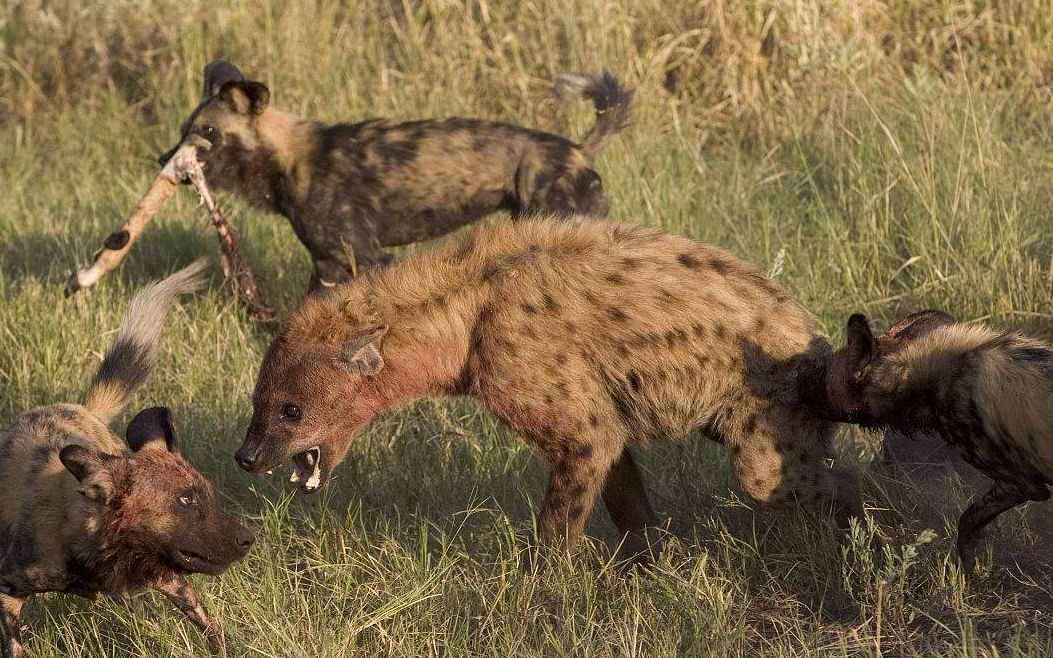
(361, 354)
(217, 74)
(92, 469)
(861, 344)
(151, 429)
(246, 97)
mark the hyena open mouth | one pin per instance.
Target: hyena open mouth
(307, 469)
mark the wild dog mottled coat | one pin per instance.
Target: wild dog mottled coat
(83, 512)
(585, 337)
(352, 189)
(988, 393)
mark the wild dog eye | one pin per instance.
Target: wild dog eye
(292, 412)
(189, 499)
(209, 131)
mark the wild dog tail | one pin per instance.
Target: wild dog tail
(131, 357)
(611, 99)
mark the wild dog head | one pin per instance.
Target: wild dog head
(311, 397)
(158, 512)
(850, 385)
(224, 124)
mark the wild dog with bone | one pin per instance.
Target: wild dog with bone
(351, 189)
(84, 513)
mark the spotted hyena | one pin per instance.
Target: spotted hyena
(584, 337)
(988, 393)
(351, 189)
(83, 512)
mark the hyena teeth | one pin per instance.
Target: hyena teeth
(294, 477)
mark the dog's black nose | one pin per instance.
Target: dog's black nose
(245, 539)
(247, 456)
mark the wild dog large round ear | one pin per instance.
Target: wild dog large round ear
(246, 97)
(218, 73)
(151, 429)
(92, 469)
(361, 353)
(916, 324)
(861, 345)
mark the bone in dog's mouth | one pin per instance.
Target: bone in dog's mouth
(307, 469)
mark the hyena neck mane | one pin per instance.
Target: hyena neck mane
(429, 305)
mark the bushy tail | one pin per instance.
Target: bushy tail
(130, 358)
(612, 103)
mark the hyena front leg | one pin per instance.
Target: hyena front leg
(779, 458)
(578, 470)
(12, 609)
(626, 500)
(181, 593)
(1001, 497)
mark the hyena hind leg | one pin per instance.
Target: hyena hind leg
(626, 501)
(12, 610)
(779, 459)
(1000, 498)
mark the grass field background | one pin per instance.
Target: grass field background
(875, 156)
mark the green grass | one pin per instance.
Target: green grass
(887, 164)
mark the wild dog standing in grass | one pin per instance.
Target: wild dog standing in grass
(988, 393)
(584, 337)
(351, 189)
(83, 512)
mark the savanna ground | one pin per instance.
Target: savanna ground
(875, 156)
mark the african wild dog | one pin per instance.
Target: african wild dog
(351, 189)
(82, 512)
(584, 337)
(987, 393)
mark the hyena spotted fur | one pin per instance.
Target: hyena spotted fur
(350, 189)
(988, 393)
(585, 337)
(83, 512)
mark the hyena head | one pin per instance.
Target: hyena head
(852, 386)
(310, 400)
(158, 510)
(226, 121)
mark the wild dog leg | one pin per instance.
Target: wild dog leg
(12, 609)
(626, 501)
(999, 498)
(181, 593)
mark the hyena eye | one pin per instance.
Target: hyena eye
(189, 499)
(292, 412)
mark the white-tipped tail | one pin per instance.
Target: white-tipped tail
(131, 357)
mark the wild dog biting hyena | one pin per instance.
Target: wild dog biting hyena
(350, 189)
(584, 337)
(988, 393)
(84, 512)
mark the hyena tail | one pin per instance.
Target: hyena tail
(611, 99)
(131, 357)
